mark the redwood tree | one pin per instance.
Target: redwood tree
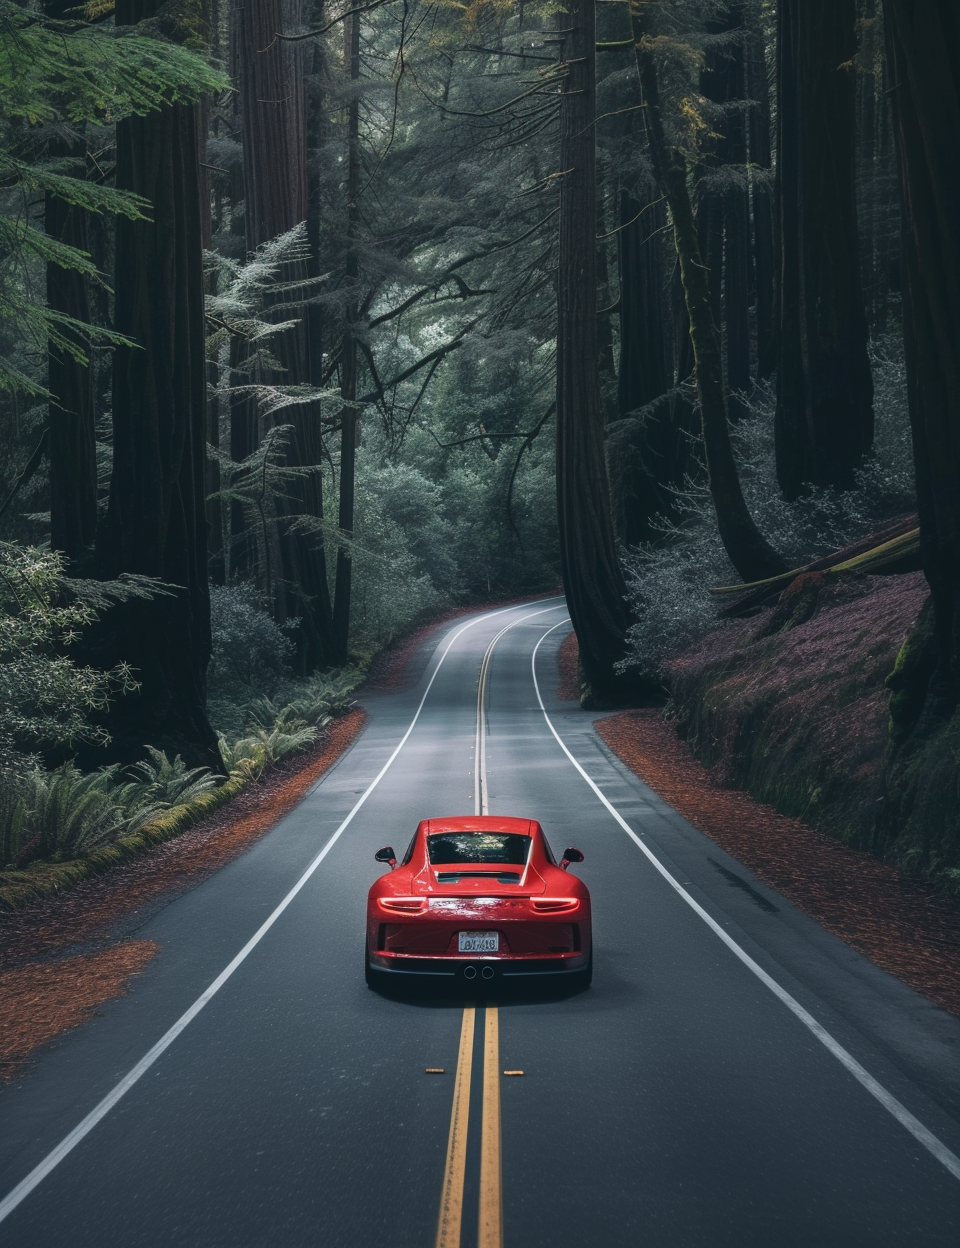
(592, 577)
(923, 48)
(824, 419)
(723, 213)
(155, 524)
(274, 122)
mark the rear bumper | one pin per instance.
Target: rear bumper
(479, 969)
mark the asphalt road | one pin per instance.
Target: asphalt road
(735, 1076)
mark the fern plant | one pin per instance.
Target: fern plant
(252, 755)
(243, 324)
(68, 814)
(157, 783)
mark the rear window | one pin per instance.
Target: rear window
(500, 847)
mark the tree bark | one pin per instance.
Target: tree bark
(760, 157)
(645, 367)
(652, 458)
(349, 422)
(748, 550)
(727, 224)
(592, 577)
(275, 195)
(824, 420)
(155, 523)
(923, 50)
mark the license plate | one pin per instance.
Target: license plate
(479, 942)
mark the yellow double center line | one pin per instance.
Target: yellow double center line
(490, 1214)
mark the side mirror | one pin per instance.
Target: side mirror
(386, 855)
(570, 855)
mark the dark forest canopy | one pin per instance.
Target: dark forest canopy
(325, 317)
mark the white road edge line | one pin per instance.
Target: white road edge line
(100, 1111)
(889, 1102)
(480, 804)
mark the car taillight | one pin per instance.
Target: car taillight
(555, 904)
(411, 905)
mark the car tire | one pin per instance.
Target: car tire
(369, 974)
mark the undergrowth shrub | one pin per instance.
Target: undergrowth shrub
(68, 814)
(252, 755)
(250, 654)
(668, 581)
(46, 699)
(276, 728)
(63, 813)
(157, 783)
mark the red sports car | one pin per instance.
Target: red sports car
(479, 898)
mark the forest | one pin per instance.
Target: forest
(318, 320)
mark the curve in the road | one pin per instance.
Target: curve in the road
(23, 1189)
(677, 1103)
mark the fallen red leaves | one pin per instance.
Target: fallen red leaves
(44, 1000)
(45, 994)
(899, 924)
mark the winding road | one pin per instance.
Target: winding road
(735, 1078)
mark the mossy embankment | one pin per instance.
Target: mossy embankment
(793, 704)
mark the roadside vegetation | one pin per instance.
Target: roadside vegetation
(446, 304)
(58, 821)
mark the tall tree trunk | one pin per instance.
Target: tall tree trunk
(650, 458)
(592, 577)
(72, 446)
(824, 420)
(760, 158)
(727, 225)
(349, 422)
(275, 184)
(923, 49)
(749, 552)
(156, 524)
(646, 370)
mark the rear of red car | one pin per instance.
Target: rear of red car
(480, 898)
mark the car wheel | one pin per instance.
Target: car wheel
(369, 974)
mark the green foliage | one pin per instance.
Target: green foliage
(262, 713)
(46, 699)
(53, 816)
(63, 74)
(66, 814)
(14, 818)
(277, 730)
(157, 783)
(251, 654)
(248, 306)
(79, 71)
(262, 748)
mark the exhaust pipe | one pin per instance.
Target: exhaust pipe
(469, 972)
(487, 972)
